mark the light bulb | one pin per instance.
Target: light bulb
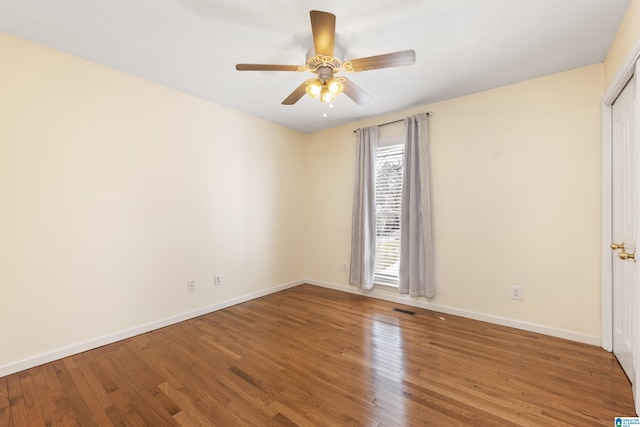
(327, 96)
(314, 88)
(334, 86)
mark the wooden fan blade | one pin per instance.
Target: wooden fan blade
(354, 92)
(395, 59)
(323, 26)
(296, 95)
(265, 67)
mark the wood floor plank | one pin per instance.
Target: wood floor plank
(44, 398)
(5, 408)
(72, 392)
(19, 414)
(138, 385)
(123, 410)
(309, 356)
(95, 413)
(31, 398)
(64, 412)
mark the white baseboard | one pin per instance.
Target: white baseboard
(503, 321)
(80, 347)
(90, 344)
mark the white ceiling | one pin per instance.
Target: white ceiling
(462, 46)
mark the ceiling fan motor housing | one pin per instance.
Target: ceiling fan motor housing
(324, 73)
(324, 66)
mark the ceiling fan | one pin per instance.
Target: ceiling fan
(325, 61)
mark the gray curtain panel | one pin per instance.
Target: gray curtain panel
(416, 249)
(363, 230)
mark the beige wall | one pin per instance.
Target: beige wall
(516, 199)
(115, 191)
(627, 39)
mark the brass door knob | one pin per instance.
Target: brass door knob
(626, 255)
(616, 246)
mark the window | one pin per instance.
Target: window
(388, 201)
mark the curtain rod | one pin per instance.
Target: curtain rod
(429, 113)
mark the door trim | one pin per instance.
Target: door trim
(606, 284)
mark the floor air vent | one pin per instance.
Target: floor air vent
(399, 310)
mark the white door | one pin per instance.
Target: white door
(624, 228)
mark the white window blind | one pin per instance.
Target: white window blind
(388, 201)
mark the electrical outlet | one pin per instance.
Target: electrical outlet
(191, 286)
(516, 292)
(217, 280)
(345, 267)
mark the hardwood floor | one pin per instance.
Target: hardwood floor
(310, 356)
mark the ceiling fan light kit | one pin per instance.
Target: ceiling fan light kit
(325, 61)
(325, 91)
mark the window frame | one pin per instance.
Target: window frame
(393, 143)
